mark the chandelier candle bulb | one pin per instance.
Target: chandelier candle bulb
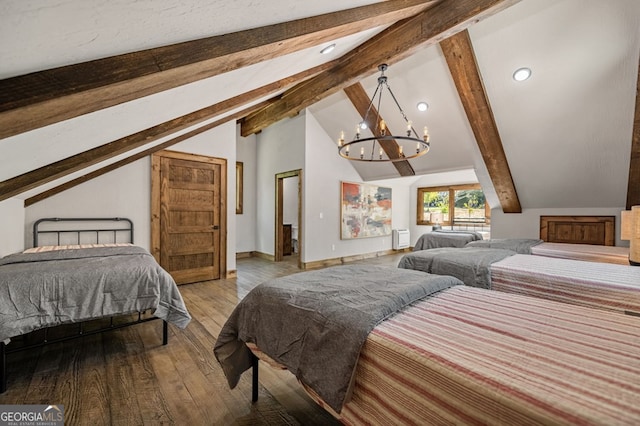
(381, 153)
(383, 126)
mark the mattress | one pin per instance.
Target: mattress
(588, 252)
(446, 238)
(600, 285)
(472, 356)
(306, 319)
(471, 265)
(46, 288)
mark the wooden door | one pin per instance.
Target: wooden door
(190, 228)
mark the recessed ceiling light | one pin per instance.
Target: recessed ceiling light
(423, 106)
(521, 74)
(328, 49)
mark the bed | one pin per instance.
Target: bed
(456, 355)
(587, 252)
(595, 284)
(599, 285)
(471, 265)
(538, 247)
(50, 285)
(446, 238)
(518, 245)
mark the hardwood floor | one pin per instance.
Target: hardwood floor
(126, 376)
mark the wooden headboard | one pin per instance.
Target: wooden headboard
(598, 230)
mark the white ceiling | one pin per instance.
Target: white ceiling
(566, 131)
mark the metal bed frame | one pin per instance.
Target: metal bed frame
(126, 228)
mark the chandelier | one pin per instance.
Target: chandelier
(383, 146)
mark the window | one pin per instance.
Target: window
(452, 205)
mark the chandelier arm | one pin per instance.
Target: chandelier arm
(378, 118)
(366, 114)
(400, 108)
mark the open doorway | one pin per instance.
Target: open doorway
(288, 224)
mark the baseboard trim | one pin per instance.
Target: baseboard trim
(263, 255)
(346, 259)
(325, 262)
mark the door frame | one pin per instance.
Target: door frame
(155, 201)
(279, 238)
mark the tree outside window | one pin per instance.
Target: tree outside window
(469, 205)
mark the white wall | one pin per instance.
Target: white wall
(11, 226)
(246, 222)
(280, 148)
(527, 223)
(290, 200)
(324, 170)
(300, 143)
(126, 192)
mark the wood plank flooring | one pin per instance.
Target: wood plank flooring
(126, 376)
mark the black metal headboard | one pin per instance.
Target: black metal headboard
(113, 229)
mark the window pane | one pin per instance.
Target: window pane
(469, 206)
(436, 206)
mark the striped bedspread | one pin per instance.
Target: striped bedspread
(472, 356)
(591, 253)
(599, 285)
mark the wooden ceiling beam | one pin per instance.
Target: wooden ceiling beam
(41, 98)
(24, 182)
(633, 186)
(361, 101)
(393, 44)
(139, 155)
(461, 60)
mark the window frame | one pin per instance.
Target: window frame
(420, 220)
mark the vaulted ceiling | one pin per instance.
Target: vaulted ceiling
(571, 130)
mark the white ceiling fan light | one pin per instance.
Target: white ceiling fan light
(522, 74)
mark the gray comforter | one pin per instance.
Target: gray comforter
(446, 238)
(45, 289)
(469, 264)
(315, 323)
(519, 245)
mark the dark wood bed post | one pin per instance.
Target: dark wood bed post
(254, 383)
(165, 332)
